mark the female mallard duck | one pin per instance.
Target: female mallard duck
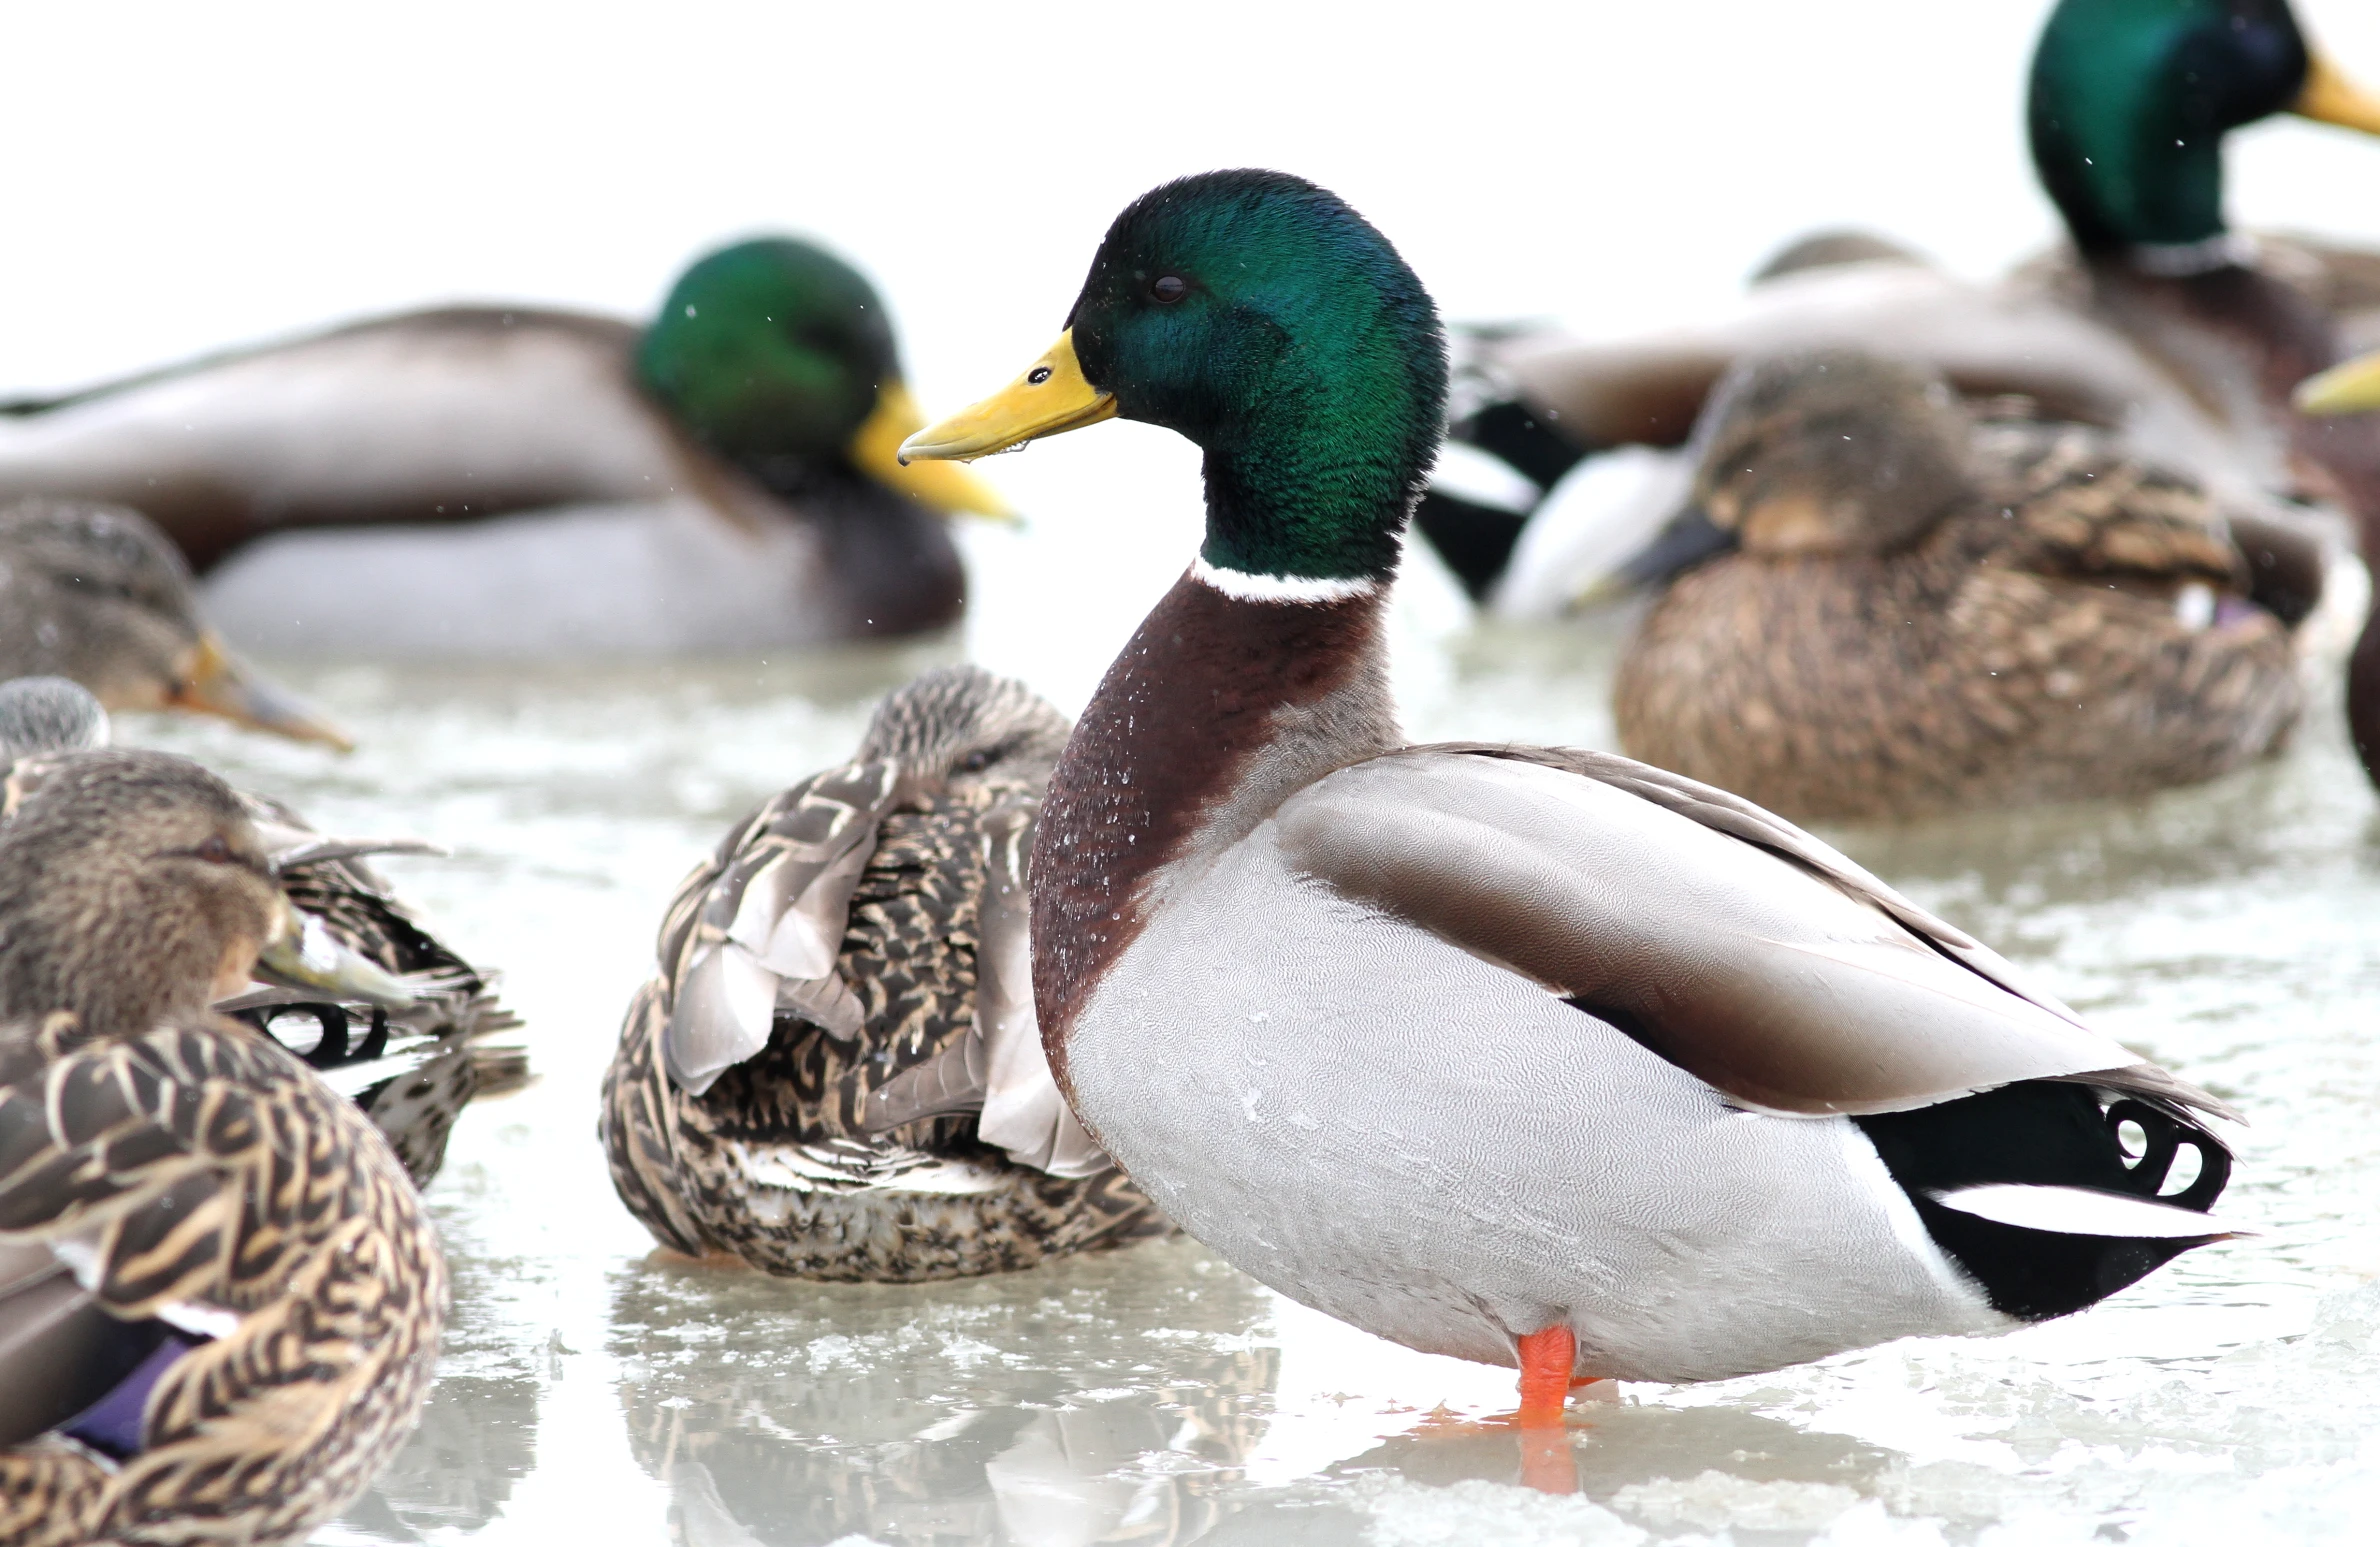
(764, 398)
(2171, 328)
(383, 1009)
(1930, 613)
(97, 594)
(1525, 1055)
(220, 1301)
(837, 1073)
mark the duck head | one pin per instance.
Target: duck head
(958, 728)
(136, 887)
(776, 354)
(133, 888)
(2130, 101)
(97, 594)
(1829, 452)
(1263, 319)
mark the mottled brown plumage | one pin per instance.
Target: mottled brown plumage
(96, 594)
(411, 1069)
(1932, 612)
(411, 1066)
(220, 1302)
(839, 1139)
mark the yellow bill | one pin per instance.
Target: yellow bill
(2330, 97)
(2346, 388)
(876, 450)
(214, 682)
(1049, 399)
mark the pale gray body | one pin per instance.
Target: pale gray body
(1467, 1158)
(639, 580)
(376, 452)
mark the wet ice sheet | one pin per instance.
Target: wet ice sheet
(1156, 1396)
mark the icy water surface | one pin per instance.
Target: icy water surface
(1154, 1396)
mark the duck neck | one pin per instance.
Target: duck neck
(2279, 336)
(1235, 692)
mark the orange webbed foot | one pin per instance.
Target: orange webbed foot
(1546, 1361)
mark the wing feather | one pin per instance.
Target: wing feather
(762, 926)
(1723, 938)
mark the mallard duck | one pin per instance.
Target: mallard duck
(764, 397)
(1526, 1055)
(220, 1301)
(1929, 612)
(96, 593)
(2177, 331)
(2138, 176)
(383, 1009)
(837, 1073)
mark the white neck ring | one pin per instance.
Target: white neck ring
(1292, 589)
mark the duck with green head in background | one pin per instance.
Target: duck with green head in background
(1532, 1056)
(2158, 321)
(520, 481)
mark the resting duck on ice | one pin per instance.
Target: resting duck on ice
(220, 1297)
(836, 1073)
(1526, 1055)
(522, 482)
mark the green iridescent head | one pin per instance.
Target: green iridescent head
(770, 348)
(2130, 101)
(1266, 321)
(774, 350)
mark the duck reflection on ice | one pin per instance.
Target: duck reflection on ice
(1109, 1399)
(478, 1437)
(1139, 1470)
(1615, 1448)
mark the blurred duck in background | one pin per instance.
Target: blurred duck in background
(1931, 609)
(220, 1301)
(386, 1012)
(837, 1073)
(2159, 322)
(95, 593)
(519, 482)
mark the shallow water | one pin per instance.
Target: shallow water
(1154, 1395)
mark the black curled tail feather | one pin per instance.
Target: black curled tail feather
(2048, 1133)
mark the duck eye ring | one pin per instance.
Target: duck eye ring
(1166, 289)
(214, 851)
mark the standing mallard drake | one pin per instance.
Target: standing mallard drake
(837, 1073)
(1929, 613)
(220, 1301)
(1524, 1055)
(764, 398)
(382, 1008)
(96, 593)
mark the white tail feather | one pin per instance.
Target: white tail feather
(2082, 1211)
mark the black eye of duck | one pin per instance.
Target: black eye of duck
(215, 852)
(976, 761)
(1166, 289)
